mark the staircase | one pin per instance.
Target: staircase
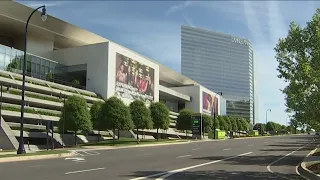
(8, 140)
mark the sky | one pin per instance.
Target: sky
(152, 28)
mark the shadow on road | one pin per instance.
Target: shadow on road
(220, 175)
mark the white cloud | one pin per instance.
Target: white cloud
(178, 7)
(188, 20)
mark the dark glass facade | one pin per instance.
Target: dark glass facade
(221, 63)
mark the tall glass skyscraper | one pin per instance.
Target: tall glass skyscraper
(221, 63)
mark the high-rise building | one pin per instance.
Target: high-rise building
(221, 63)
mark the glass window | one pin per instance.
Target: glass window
(7, 60)
(8, 50)
(2, 61)
(42, 69)
(2, 49)
(38, 68)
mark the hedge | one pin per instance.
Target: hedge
(28, 110)
(32, 95)
(52, 86)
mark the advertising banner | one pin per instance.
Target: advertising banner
(209, 103)
(134, 81)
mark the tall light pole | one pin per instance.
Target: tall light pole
(267, 115)
(214, 115)
(21, 149)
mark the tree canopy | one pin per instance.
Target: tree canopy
(298, 55)
(95, 112)
(184, 120)
(160, 116)
(140, 115)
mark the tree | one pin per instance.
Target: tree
(77, 116)
(245, 124)
(207, 122)
(140, 115)
(239, 123)
(95, 112)
(160, 116)
(222, 123)
(184, 120)
(49, 76)
(298, 57)
(14, 64)
(228, 123)
(234, 125)
(115, 115)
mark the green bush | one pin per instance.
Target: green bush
(160, 116)
(184, 120)
(32, 95)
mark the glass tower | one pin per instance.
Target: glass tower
(221, 63)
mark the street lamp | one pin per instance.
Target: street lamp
(267, 115)
(21, 149)
(64, 117)
(214, 115)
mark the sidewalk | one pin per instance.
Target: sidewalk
(309, 160)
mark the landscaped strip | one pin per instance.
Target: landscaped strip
(52, 86)
(35, 153)
(32, 95)
(29, 110)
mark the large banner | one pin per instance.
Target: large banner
(134, 80)
(209, 104)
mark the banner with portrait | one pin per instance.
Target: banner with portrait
(209, 104)
(134, 81)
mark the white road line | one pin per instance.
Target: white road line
(269, 166)
(195, 149)
(227, 149)
(250, 145)
(183, 156)
(169, 173)
(86, 170)
(266, 142)
(78, 153)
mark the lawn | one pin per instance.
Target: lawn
(132, 141)
(315, 167)
(35, 153)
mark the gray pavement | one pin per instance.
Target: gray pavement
(265, 158)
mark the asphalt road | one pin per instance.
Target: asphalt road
(240, 159)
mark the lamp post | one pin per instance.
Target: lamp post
(267, 115)
(21, 149)
(214, 115)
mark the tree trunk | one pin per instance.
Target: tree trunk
(99, 135)
(157, 134)
(113, 138)
(118, 134)
(75, 138)
(137, 136)
(186, 133)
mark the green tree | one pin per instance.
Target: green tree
(298, 56)
(160, 116)
(184, 120)
(217, 123)
(228, 123)
(222, 123)
(14, 64)
(115, 115)
(95, 112)
(140, 115)
(207, 122)
(245, 124)
(239, 123)
(77, 116)
(234, 125)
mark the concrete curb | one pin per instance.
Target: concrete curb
(34, 157)
(131, 146)
(304, 171)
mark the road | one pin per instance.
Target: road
(273, 158)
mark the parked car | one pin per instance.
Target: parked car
(317, 133)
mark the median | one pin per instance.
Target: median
(11, 156)
(129, 142)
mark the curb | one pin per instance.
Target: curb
(131, 146)
(34, 157)
(304, 171)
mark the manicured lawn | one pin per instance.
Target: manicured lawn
(132, 141)
(36, 153)
(315, 168)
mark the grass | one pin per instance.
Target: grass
(36, 153)
(33, 95)
(132, 141)
(315, 167)
(27, 110)
(316, 153)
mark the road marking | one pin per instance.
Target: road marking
(147, 154)
(86, 170)
(91, 153)
(250, 145)
(75, 159)
(78, 153)
(183, 156)
(269, 166)
(169, 173)
(266, 142)
(227, 149)
(195, 149)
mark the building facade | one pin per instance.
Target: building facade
(222, 63)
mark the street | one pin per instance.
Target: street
(238, 159)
